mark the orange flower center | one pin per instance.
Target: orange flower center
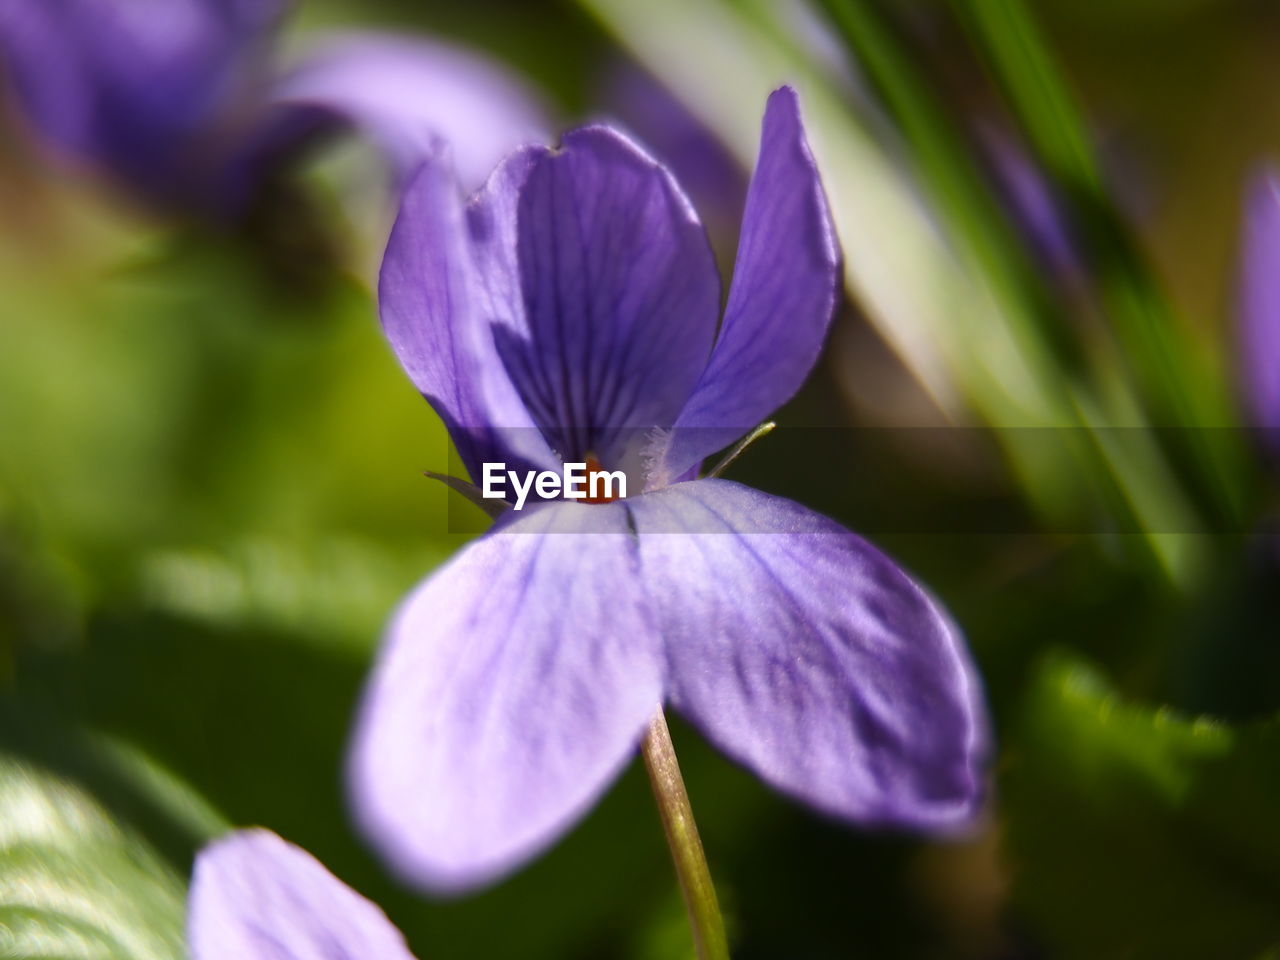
(593, 467)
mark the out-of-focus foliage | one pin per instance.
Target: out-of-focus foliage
(79, 876)
(1138, 832)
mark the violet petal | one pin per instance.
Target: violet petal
(620, 293)
(447, 270)
(256, 897)
(512, 687)
(784, 291)
(810, 657)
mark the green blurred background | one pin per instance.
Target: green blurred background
(211, 496)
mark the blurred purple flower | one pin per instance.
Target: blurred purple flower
(1032, 203)
(256, 897)
(183, 100)
(569, 312)
(1260, 306)
(408, 94)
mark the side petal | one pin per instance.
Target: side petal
(785, 284)
(256, 897)
(407, 94)
(1260, 306)
(620, 296)
(512, 688)
(447, 268)
(810, 657)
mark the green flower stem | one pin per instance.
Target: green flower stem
(709, 938)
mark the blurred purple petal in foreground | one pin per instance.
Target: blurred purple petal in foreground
(570, 313)
(256, 897)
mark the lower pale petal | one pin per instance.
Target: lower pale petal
(255, 897)
(810, 657)
(512, 689)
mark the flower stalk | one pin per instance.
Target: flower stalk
(669, 793)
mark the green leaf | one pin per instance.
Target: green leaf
(1138, 833)
(74, 882)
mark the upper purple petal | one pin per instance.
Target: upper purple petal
(1260, 305)
(408, 93)
(620, 296)
(255, 897)
(447, 273)
(513, 686)
(138, 86)
(810, 657)
(784, 291)
(704, 167)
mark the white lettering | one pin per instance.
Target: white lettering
(576, 483)
(575, 475)
(493, 474)
(548, 484)
(610, 478)
(521, 491)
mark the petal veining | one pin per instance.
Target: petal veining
(513, 686)
(448, 271)
(620, 296)
(810, 657)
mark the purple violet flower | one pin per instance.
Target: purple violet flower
(183, 100)
(256, 897)
(1260, 307)
(570, 312)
